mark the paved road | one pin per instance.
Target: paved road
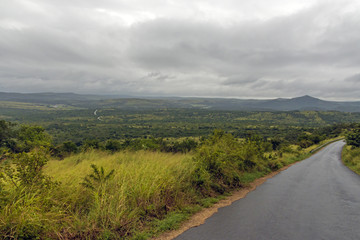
(318, 198)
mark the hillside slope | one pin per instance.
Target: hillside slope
(105, 101)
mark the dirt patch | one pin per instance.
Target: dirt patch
(200, 217)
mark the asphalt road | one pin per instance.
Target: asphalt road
(318, 198)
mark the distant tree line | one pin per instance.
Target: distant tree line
(23, 138)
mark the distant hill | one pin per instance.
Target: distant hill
(103, 101)
(53, 98)
(47, 97)
(310, 103)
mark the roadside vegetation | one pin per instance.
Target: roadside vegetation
(351, 152)
(130, 188)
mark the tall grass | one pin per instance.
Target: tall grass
(351, 158)
(146, 185)
(149, 192)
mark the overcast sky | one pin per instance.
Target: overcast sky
(205, 48)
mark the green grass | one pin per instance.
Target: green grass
(149, 193)
(146, 186)
(248, 177)
(171, 222)
(208, 202)
(351, 158)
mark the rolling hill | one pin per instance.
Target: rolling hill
(105, 101)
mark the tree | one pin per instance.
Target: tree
(30, 137)
(353, 138)
(6, 133)
(113, 145)
(91, 144)
(69, 147)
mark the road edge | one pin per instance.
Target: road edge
(200, 217)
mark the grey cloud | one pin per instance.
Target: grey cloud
(291, 40)
(159, 76)
(354, 78)
(241, 80)
(72, 47)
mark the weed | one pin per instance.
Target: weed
(97, 178)
(171, 221)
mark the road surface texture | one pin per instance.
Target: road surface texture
(318, 198)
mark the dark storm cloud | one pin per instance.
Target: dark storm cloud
(113, 47)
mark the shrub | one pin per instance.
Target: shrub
(23, 138)
(31, 137)
(28, 169)
(224, 158)
(113, 145)
(353, 138)
(91, 144)
(28, 206)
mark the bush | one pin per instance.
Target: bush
(28, 169)
(22, 139)
(28, 206)
(306, 140)
(91, 144)
(6, 132)
(31, 137)
(113, 145)
(353, 138)
(224, 158)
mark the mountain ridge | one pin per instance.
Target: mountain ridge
(301, 103)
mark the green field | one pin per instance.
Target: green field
(81, 124)
(113, 173)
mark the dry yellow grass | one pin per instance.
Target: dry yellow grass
(145, 184)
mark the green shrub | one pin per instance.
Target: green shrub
(113, 145)
(353, 138)
(97, 178)
(275, 165)
(225, 158)
(26, 169)
(29, 209)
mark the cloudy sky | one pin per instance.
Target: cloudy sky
(208, 48)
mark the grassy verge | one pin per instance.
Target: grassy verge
(351, 158)
(323, 144)
(174, 220)
(150, 193)
(146, 186)
(147, 194)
